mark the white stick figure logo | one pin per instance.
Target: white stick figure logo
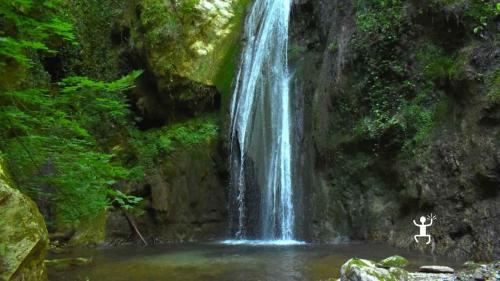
(423, 227)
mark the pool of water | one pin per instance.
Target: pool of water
(226, 262)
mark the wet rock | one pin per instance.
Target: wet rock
(196, 52)
(436, 269)
(189, 50)
(365, 270)
(369, 188)
(91, 232)
(431, 277)
(183, 201)
(23, 235)
(479, 272)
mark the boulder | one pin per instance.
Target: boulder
(365, 270)
(23, 235)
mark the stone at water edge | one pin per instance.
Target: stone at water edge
(476, 271)
(393, 261)
(418, 276)
(365, 270)
(436, 269)
(23, 235)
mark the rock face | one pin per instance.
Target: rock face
(391, 133)
(23, 235)
(188, 50)
(183, 200)
(191, 39)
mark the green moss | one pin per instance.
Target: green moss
(393, 261)
(369, 268)
(197, 42)
(295, 51)
(494, 87)
(146, 147)
(224, 77)
(333, 47)
(161, 21)
(355, 262)
(91, 231)
(23, 235)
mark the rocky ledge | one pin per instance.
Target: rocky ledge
(391, 269)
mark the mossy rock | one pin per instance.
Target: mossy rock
(23, 235)
(90, 232)
(393, 261)
(191, 41)
(365, 270)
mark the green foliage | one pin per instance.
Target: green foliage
(164, 20)
(187, 6)
(399, 95)
(379, 16)
(49, 140)
(27, 26)
(436, 65)
(52, 135)
(476, 14)
(482, 12)
(125, 201)
(96, 55)
(156, 142)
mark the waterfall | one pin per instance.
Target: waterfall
(261, 145)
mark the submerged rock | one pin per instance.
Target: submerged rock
(23, 235)
(436, 269)
(65, 262)
(418, 276)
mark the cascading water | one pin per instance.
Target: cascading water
(261, 151)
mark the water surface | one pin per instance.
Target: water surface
(222, 262)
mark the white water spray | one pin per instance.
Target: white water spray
(260, 123)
